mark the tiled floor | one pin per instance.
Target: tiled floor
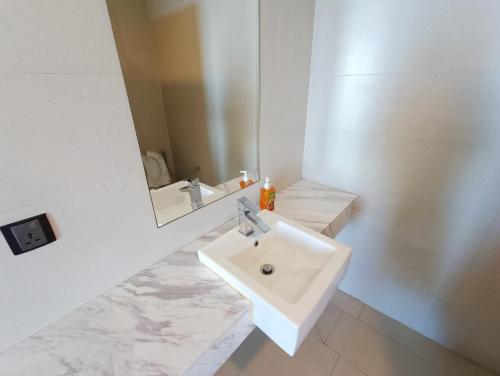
(350, 339)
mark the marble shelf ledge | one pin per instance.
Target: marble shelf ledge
(173, 318)
(322, 208)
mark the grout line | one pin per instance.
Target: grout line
(49, 73)
(336, 363)
(262, 353)
(342, 312)
(360, 311)
(60, 195)
(383, 135)
(390, 339)
(353, 365)
(421, 73)
(315, 328)
(334, 368)
(437, 366)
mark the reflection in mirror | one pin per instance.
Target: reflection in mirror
(191, 72)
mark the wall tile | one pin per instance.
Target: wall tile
(466, 315)
(56, 36)
(81, 260)
(368, 39)
(465, 107)
(403, 111)
(359, 103)
(86, 116)
(284, 83)
(471, 31)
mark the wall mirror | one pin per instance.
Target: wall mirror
(191, 69)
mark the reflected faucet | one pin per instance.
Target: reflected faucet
(247, 217)
(194, 190)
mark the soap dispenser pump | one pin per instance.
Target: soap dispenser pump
(267, 195)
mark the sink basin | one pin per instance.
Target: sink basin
(290, 275)
(169, 203)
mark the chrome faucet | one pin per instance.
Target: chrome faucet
(247, 217)
(194, 190)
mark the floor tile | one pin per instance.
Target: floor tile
(428, 349)
(326, 322)
(312, 359)
(344, 368)
(229, 369)
(347, 303)
(248, 361)
(373, 345)
(375, 354)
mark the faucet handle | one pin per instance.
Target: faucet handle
(193, 173)
(245, 204)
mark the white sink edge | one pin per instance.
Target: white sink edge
(308, 299)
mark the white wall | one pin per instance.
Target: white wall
(404, 110)
(68, 148)
(286, 37)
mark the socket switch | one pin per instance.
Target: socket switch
(28, 234)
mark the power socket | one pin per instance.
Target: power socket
(28, 234)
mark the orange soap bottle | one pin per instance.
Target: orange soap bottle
(267, 196)
(245, 181)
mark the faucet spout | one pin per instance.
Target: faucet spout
(194, 190)
(248, 219)
(263, 226)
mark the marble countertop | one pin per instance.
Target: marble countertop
(173, 318)
(322, 208)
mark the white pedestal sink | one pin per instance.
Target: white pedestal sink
(306, 270)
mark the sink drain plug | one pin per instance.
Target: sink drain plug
(267, 269)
